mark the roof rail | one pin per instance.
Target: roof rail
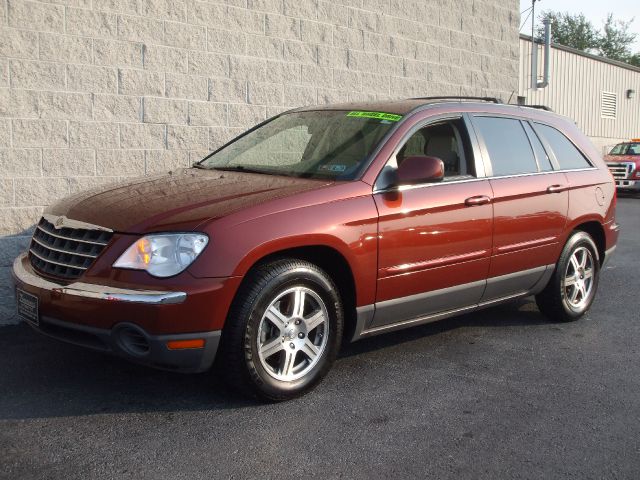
(539, 107)
(457, 97)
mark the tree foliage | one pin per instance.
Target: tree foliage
(614, 41)
(573, 31)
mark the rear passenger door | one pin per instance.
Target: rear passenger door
(530, 203)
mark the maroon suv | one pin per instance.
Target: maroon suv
(323, 224)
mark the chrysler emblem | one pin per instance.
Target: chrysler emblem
(59, 222)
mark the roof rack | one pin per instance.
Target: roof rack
(539, 107)
(456, 97)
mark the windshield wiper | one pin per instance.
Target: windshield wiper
(199, 166)
(243, 169)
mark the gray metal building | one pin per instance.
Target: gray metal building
(601, 95)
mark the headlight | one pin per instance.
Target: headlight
(163, 255)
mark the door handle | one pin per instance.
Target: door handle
(477, 200)
(556, 188)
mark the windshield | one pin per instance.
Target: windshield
(626, 149)
(316, 144)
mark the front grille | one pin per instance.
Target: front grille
(621, 171)
(65, 252)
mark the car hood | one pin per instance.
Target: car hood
(178, 200)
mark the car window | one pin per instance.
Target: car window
(541, 155)
(507, 145)
(446, 140)
(568, 156)
(331, 144)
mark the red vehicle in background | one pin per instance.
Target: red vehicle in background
(624, 163)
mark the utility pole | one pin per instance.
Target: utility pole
(534, 48)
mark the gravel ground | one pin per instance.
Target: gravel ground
(501, 393)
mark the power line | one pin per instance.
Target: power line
(527, 18)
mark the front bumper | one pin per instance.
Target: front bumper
(131, 342)
(132, 323)
(628, 185)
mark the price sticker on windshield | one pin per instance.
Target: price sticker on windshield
(391, 117)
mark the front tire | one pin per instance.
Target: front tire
(572, 288)
(283, 330)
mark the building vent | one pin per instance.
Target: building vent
(609, 105)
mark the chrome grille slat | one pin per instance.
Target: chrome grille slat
(61, 251)
(48, 232)
(65, 252)
(622, 170)
(57, 263)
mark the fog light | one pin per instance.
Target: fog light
(185, 344)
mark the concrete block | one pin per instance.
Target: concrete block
(37, 75)
(246, 116)
(64, 162)
(227, 90)
(18, 103)
(165, 59)
(193, 87)
(92, 79)
(117, 53)
(207, 113)
(18, 43)
(20, 162)
(161, 161)
(175, 10)
(226, 41)
(19, 221)
(182, 137)
(65, 105)
(91, 23)
(140, 29)
(140, 82)
(208, 64)
(44, 17)
(117, 108)
(183, 35)
(40, 191)
(164, 110)
(39, 133)
(93, 135)
(139, 135)
(120, 162)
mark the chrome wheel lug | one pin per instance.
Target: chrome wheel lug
(301, 335)
(292, 345)
(297, 322)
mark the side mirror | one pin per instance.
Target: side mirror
(420, 169)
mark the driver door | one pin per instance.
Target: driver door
(435, 239)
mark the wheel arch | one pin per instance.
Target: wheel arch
(334, 263)
(596, 231)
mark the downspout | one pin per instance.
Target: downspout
(547, 53)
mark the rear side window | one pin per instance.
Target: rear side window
(538, 149)
(507, 144)
(568, 156)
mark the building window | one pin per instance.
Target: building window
(609, 105)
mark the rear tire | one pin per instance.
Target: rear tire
(573, 286)
(283, 330)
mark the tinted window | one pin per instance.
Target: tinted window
(447, 141)
(566, 153)
(538, 149)
(508, 146)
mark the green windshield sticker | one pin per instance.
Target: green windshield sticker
(377, 115)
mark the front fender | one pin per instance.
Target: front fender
(349, 226)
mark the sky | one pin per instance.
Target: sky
(595, 11)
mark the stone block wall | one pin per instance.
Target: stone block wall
(95, 90)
